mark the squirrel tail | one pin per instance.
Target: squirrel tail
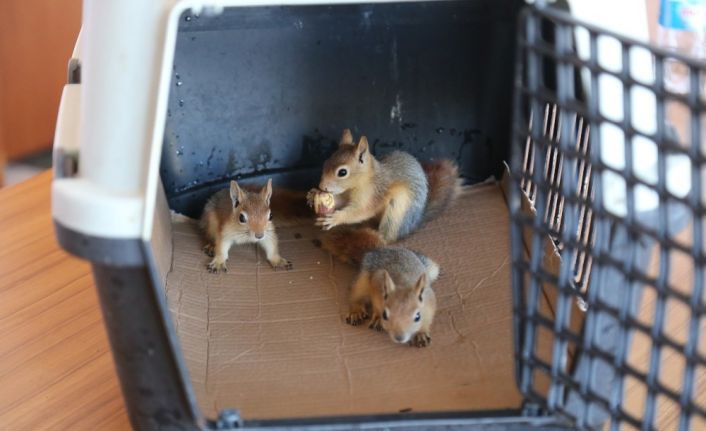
(444, 187)
(350, 244)
(289, 208)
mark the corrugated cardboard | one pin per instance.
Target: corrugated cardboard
(161, 240)
(275, 345)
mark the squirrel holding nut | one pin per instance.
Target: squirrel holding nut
(238, 216)
(394, 290)
(356, 187)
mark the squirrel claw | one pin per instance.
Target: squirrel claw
(356, 318)
(282, 263)
(420, 340)
(310, 196)
(215, 267)
(326, 222)
(208, 249)
(375, 323)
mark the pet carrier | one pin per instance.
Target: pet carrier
(544, 264)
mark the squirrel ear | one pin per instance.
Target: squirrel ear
(236, 194)
(384, 282)
(420, 286)
(266, 191)
(346, 138)
(362, 148)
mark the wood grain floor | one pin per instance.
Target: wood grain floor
(56, 369)
(671, 363)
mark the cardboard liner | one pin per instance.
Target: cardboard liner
(275, 345)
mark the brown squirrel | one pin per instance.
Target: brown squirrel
(395, 190)
(239, 216)
(394, 285)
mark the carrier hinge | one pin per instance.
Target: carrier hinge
(229, 419)
(74, 71)
(65, 163)
(533, 410)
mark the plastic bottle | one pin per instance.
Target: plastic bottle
(682, 28)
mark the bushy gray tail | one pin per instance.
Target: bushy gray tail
(444, 187)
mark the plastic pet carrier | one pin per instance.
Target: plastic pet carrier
(570, 293)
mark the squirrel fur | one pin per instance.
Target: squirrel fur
(239, 216)
(397, 192)
(394, 290)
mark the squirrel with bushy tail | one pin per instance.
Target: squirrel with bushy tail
(386, 199)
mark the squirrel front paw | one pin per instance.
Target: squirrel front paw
(420, 339)
(355, 318)
(328, 222)
(310, 196)
(376, 323)
(215, 266)
(281, 263)
(209, 250)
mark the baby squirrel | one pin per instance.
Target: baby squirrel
(394, 284)
(396, 189)
(238, 216)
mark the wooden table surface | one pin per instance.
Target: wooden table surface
(56, 369)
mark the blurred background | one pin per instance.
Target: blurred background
(36, 40)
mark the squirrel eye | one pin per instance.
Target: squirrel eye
(384, 315)
(242, 218)
(418, 316)
(270, 216)
(342, 172)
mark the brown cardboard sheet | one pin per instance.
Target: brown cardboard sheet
(275, 345)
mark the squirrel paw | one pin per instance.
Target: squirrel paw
(310, 196)
(215, 267)
(327, 222)
(375, 323)
(281, 263)
(356, 318)
(420, 339)
(209, 250)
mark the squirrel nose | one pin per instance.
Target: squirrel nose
(399, 338)
(259, 235)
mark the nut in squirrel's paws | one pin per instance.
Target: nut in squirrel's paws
(323, 202)
(209, 250)
(281, 263)
(420, 339)
(215, 267)
(356, 318)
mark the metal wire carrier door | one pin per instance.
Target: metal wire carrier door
(608, 218)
